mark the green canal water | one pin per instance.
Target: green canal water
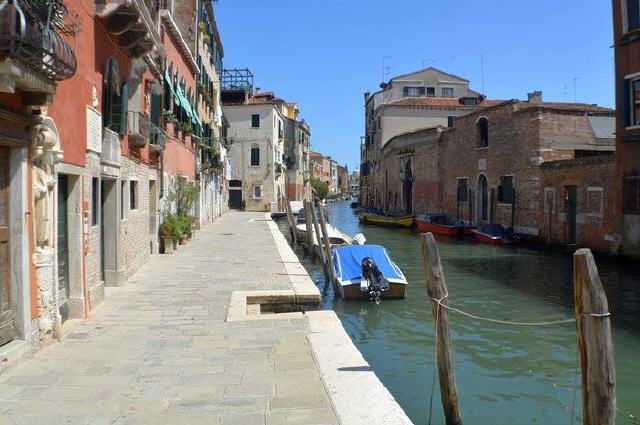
(505, 374)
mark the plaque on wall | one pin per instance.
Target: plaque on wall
(482, 164)
(94, 130)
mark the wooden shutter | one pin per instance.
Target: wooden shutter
(124, 108)
(633, 13)
(625, 102)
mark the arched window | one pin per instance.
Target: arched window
(483, 132)
(257, 192)
(114, 99)
(255, 156)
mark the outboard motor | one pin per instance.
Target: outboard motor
(372, 281)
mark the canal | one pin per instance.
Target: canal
(505, 374)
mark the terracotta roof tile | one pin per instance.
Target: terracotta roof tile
(562, 106)
(438, 101)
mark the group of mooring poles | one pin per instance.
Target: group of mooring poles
(593, 322)
(316, 224)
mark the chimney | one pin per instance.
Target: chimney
(257, 90)
(535, 97)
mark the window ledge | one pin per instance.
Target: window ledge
(630, 36)
(505, 204)
(633, 127)
(482, 148)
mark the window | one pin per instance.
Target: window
(255, 156)
(594, 202)
(123, 203)
(447, 92)
(115, 98)
(470, 101)
(431, 91)
(633, 15)
(95, 199)
(463, 191)
(505, 190)
(630, 107)
(255, 120)
(635, 102)
(133, 195)
(257, 192)
(483, 132)
(549, 200)
(413, 91)
(631, 195)
(451, 121)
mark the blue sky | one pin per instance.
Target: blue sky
(324, 54)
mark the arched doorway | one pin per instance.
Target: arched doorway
(407, 187)
(482, 199)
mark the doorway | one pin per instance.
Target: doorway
(572, 213)
(62, 250)
(108, 232)
(235, 194)
(7, 319)
(482, 199)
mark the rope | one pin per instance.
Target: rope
(509, 322)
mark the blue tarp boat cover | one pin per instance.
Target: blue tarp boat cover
(347, 262)
(495, 230)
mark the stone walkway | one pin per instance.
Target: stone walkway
(158, 350)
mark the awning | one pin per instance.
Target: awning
(167, 79)
(183, 101)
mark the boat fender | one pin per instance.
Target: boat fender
(359, 239)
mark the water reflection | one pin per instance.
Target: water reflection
(505, 374)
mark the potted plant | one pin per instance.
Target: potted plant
(171, 231)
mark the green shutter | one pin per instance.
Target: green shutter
(156, 109)
(625, 102)
(124, 108)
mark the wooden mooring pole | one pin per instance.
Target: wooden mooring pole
(594, 342)
(327, 243)
(291, 220)
(307, 214)
(437, 290)
(316, 229)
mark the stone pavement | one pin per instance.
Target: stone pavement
(159, 351)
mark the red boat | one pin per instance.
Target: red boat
(489, 233)
(441, 224)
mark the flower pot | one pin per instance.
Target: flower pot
(183, 239)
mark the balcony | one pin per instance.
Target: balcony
(110, 154)
(33, 53)
(138, 128)
(158, 139)
(135, 22)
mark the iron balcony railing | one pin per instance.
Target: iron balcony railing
(158, 136)
(139, 127)
(28, 35)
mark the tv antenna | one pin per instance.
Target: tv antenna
(482, 53)
(575, 89)
(385, 68)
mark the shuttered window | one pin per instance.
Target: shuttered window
(631, 195)
(635, 102)
(505, 190)
(463, 190)
(633, 14)
(255, 156)
(255, 120)
(115, 99)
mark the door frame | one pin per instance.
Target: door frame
(481, 201)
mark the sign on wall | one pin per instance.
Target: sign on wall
(94, 130)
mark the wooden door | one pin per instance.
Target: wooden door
(7, 328)
(63, 246)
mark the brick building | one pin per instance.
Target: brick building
(409, 102)
(409, 166)
(625, 203)
(489, 163)
(573, 206)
